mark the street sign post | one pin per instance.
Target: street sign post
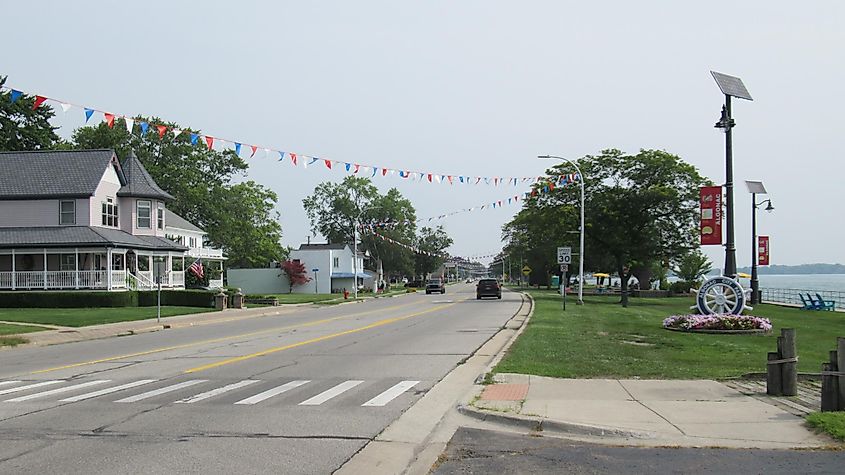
(315, 270)
(564, 255)
(564, 267)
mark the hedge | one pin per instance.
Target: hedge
(83, 299)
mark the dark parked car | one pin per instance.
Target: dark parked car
(435, 285)
(488, 288)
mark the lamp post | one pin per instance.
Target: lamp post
(581, 248)
(755, 188)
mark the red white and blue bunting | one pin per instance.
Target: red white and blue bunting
(296, 159)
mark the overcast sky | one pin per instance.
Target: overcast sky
(470, 88)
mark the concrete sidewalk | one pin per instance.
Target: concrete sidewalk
(686, 413)
(93, 332)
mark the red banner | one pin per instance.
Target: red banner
(711, 215)
(763, 250)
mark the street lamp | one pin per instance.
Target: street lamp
(581, 249)
(756, 188)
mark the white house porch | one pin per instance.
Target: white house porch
(89, 268)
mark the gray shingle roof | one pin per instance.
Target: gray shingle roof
(316, 247)
(139, 183)
(173, 220)
(52, 173)
(79, 236)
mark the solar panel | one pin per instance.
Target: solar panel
(755, 187)
(731, 86)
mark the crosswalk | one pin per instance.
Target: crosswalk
(247, 392)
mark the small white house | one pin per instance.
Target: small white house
(330, 267)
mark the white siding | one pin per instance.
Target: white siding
(107, 188)
(36, 213)
(315, 259)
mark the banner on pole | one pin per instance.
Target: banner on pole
(711, 215)
(763, 250)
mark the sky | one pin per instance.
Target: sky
(475, 88)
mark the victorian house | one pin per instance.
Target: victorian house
(82, 219)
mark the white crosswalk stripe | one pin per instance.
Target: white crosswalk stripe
(113, 389)
(273, 392)
(391, 394)
(218, 391)
(330, 393)
(164, 390)
(58, 391)
(30, 386)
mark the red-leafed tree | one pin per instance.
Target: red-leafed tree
(295, 271)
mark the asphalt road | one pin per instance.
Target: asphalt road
(299, 392)
(478, 451)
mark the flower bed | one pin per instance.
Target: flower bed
(718, 323)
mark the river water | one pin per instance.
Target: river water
(833, 282)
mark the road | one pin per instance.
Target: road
(481, 451)
(299, 392)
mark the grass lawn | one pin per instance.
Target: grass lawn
(81, 317)
(602, 339)
(831, 423)
(6, 329)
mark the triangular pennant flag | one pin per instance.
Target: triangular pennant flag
(16, 95)
(176, 132)
(38, 101)
(266, 152)
(209, 140)
(429, 177)
(144, 127)
(293, 158)
(65, 106)
(129, 123)
(357, 167)
(237, 149)
(450, 179)
(109, 118)
(461, 179)
(477, 180)
(375, 170)
(161, 130)
(281, 156)
(194, 137)
(328, 163)
(88, 114)
(384, 172)
(253, 147)
(348, 166)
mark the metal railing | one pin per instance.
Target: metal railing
(792, 296)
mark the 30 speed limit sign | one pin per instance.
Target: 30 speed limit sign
(564, 255)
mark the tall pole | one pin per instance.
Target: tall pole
(755, 284)
(355, 258)
(730, 245)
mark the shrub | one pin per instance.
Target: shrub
(182, 298)
(60, 299)
(717, 322)
(680, 287)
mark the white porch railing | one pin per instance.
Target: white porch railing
(87, 279)
(5, 280)
(216, 284)
(177, 278)
(118, 279)
(93, 279)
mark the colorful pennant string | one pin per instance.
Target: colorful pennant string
(210, 141)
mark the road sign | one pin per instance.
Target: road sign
(315, 270)
(564, 267)
(564, 255)
(526, 270)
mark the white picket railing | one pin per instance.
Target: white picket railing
(87, 279)
(5, 280)
(177, 279)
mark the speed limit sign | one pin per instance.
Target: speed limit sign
(564, 255)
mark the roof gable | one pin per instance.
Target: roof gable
(173, 220)
(139, 183)
(318, 247)
(52, 173)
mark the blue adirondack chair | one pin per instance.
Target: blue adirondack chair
(807, 305)
(825, 304)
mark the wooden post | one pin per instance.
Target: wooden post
(830, 385)
(840, 366)
(789, 370)
(773, 380)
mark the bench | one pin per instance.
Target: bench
(818, 303)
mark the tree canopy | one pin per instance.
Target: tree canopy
(639, 209)
(434, 241)
(21, 127)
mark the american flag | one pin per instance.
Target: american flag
(196, 268)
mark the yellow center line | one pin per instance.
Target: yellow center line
(379, 323)
(217, 340)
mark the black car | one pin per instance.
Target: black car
(488, 288)
(435, 286)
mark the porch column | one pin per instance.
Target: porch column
(76, 267)
(45, 268)
(108, 269)
(13, 270)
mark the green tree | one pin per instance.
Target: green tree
(239, 218)
(434, 241)
(296, 273)
(334, 208)
(692, 266)
(21, 127)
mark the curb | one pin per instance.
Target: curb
(538, 424)
(523, 323)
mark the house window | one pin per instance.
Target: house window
(160, 216)
(192, 242)
(67, 212)
(336, 262)
(110, 213)
(144, 214)
(66, 262)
